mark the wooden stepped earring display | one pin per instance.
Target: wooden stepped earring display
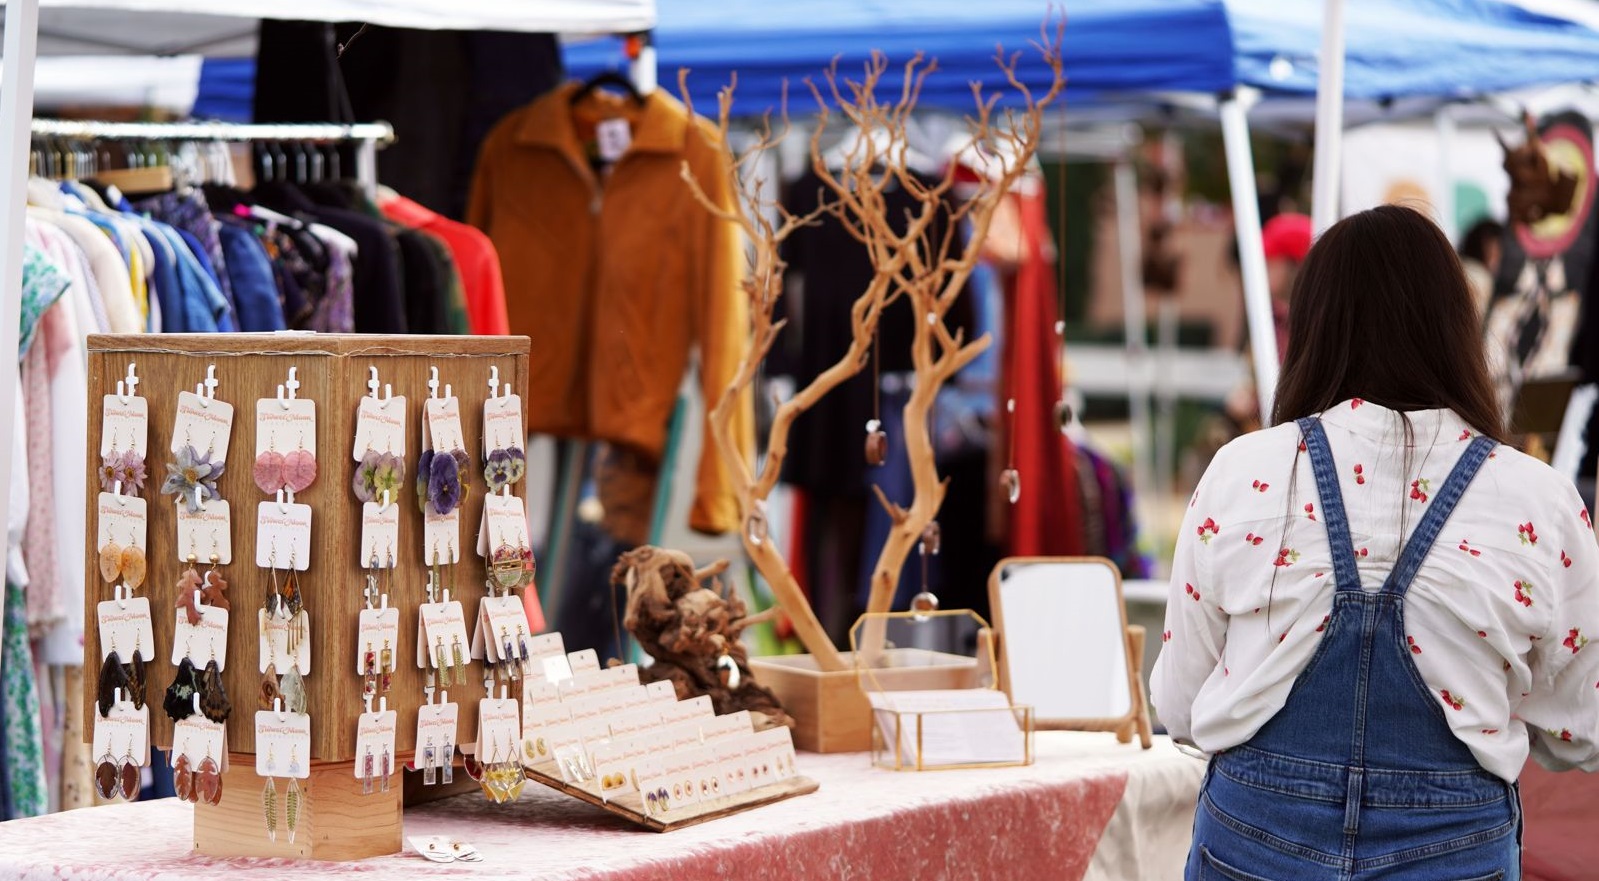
(911, 264)
(335, 820)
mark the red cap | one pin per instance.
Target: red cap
(1287, 235)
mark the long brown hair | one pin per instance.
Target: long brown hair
(1380, 311)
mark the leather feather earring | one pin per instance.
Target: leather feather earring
(137, 681)
(213, 697)
(112, 678)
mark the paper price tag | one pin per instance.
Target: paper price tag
(444, 423)
(125, 627)
(285, 641)
(377, 629)
(499, 730)
(379, 427)
(203, 423)
(122, 519)
(614, 136)
(285, 425)
(206, 535)
(441, 629)
(502, 424)
(202, 642)
(282, 744)
(380, 535)
(374, 738)
(125, 426)
(283, 536)
(124, 732)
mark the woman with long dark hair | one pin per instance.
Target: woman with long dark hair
(1378, 608)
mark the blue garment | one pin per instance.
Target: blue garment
(255, 293)
(1359, 776)
(215, 292)
(165, 291)
(197, 305)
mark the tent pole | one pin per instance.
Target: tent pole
(16, 117)
(1444, 122)
(1135, 322)
(1329, 117)
(1251, 248)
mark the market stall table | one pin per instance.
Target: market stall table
(1088, 808)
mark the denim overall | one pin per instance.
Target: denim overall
(1358, 776)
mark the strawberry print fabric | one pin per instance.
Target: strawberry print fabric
(1497, 620)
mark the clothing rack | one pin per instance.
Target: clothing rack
(368, 136)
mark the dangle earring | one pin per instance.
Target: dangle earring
(460, 663)
(369, 669)
(106, 780)
(366, 772)
(385, 668)
(429, 771)
(386, 767)
(291, 801)
(876, 438)
(130, 774)
(269, 806)
(447, 763)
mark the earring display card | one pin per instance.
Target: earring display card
(122, 519)
(504, 524)
(499, 730)
(282, 744)
(284, 641)
(724, 727)
(441, 537)
(501, 624)
(441, 627)
(206, 424)
(283, 536)
(206, 535)
(443, 417)
(202, 642)
(378, 628)
(586, 684)
(374, 736)
(663, 691)
(502, 424)
(539, 694)
(198, 738)
(125, 626)
(125, 425)
(125, 729)
(634, 722)
(283, 425)
(379, 427)
(380, 533)
(437, 724)
(695, 709)
(585, 661)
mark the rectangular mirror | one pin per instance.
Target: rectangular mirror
(1064, 645)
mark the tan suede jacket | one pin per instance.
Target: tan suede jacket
(616, 276)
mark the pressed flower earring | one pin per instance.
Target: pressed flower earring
(299, 468)
(191, 472)
(127, 560)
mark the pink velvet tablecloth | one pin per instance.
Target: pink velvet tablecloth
(1089, 808)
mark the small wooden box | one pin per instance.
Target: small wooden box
(337, 821)
(830, 710)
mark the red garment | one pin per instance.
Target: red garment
(475, 259)
(1047, 520)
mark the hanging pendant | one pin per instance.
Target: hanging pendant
(876, 443)
(932, 538)
(755, 527)
(923, 605)
(1011, 482)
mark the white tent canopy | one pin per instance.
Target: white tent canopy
(175, 27)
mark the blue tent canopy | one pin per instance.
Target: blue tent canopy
(1115, 48)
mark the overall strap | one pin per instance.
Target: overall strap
(1438, 511)
(1345, 575)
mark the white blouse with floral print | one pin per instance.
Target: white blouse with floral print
(1498, 618)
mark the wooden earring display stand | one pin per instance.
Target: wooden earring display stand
(336, 821)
